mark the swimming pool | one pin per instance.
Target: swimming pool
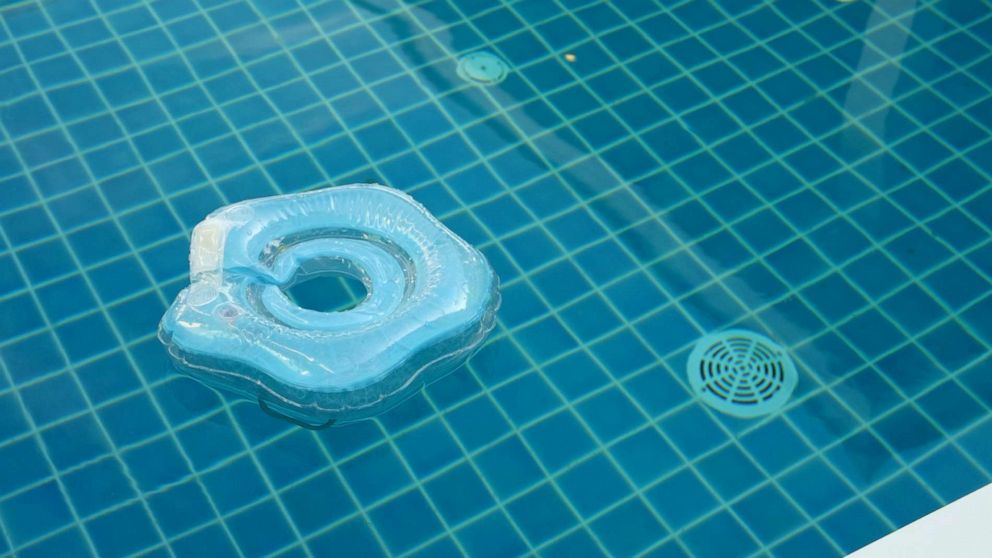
(644, 174)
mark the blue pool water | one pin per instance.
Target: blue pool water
(646, 174)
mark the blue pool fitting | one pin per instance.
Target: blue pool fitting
(432, 299)
(484, 68)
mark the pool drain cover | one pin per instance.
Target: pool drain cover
(484, 68)
(741, 373)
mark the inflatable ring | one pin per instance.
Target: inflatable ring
(432, 299)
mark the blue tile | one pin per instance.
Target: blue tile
(863, 460)
(10, 277)
(655, 390)
(950, 407)
(645, 456)
(546, 339)
(910, 369)
(499, 360)
(593, 485)
(290, 458)
(527, 398)
(296, 172)
(952, 346)
(605, 261)
(131, 20)
(508, 467)
(763, 231)
(797, 262)
(648, 241)
(559, 440)
(822, 419)
(630, 160)
(194, 205)
(181, 508)
(27, 116)
(829, 357)
(33, 356)
(520, 304)
(635, 295)
(131, 420)
(561, 283)
(868, 394)
(428, 448)
(354, 536)
(35, 512)
(210, 441)
(375, 474)
(477, 423)
(47, 260)
(177, 173)
(872, 333)
(576, 543)
(27, 465)
(610, 414)
(260, 529)
(518, 166)
(815, 487)
(957, 229)
(950, 474)
(730, 472)
(223, 156)
(903, 499)
(79, 208)
(576, 374)
(12, 420)
(681, 499)
(713, 308)
(75, 441)
(235, 484)
(918, 251)
(922, 151)
(70, 542)
(156, 464)
(628, 528)
(541, 514)
(75, 101)
(491, 535)
(339, 156)
(668, 331)
(52, 399)
(768, 514)
(719, 536)
(27, 225)
(211, 539)
(854, 526)
(123, 88)
(98, 486)
(775, 446)
(405, 521)
(110, 160)
(693, 431)
(452, 390)
(459, 494)
(118, 279)
(808, 543)
(579, 318)
(913, 308)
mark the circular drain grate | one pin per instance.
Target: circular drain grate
(484, 68)
(741, 373)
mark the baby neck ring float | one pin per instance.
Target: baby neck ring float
(432, 299)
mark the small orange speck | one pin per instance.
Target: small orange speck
(570, 57)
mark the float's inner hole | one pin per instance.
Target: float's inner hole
(328, 284)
